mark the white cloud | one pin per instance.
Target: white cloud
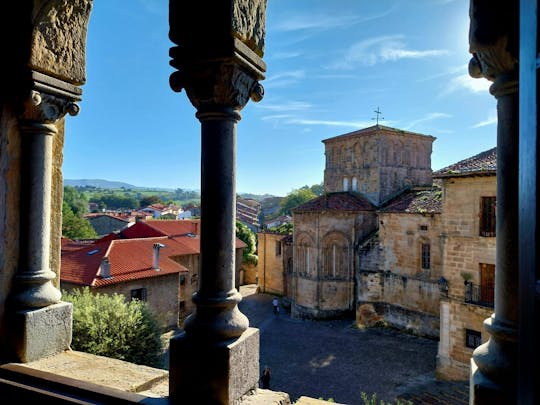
(382, 49)
(330, 123)
(287, 106)
(284, 79)
(285, 55)
(492, 119)
(466, 82)
(323, 22)
(428, 117)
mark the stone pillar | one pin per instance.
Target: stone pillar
(41, 324)
(216, 359)
(494, 44)
(44, 64)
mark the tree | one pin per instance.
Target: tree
(75, 227)
(149, 200)
(295, 198)
(107, 325)
(248, 237)
(77, 201)
(317, 189)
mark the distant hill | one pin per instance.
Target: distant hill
(98, 183)
(258, 197)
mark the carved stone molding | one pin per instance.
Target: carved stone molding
(492, 39)
(217, 84)
(46, 108)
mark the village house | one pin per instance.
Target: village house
(469, 255)
(120, 263)
(135, 268)
(108, 222)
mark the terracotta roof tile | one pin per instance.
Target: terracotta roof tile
(416, 201)
(485, 163)
(336, 202)
(130, 259)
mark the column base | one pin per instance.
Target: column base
(482, 390)
(42, 332)
(213, 372)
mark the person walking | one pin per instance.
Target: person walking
(265, 378)
(275, 304)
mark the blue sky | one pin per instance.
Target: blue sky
(330, 65)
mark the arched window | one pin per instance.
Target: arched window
(354, 184)
(335, 256)
(303, 250)
(345, 184)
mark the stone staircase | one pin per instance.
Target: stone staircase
(438, 393)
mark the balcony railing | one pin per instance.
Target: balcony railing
(479, 294)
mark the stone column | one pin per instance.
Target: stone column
(493, 39)
(216, 359)
(41, 324)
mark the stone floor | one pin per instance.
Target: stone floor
(334, 359)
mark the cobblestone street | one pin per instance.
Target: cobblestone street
(333, 359)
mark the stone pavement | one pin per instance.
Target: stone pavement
(334, 359)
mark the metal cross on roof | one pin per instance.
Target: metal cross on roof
(378, 112)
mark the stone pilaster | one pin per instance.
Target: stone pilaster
(219, 64)
(493, 38)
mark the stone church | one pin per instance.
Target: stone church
(341, 257)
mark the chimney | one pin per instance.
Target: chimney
(155, 257)
(105, 268)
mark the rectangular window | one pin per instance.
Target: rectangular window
(278, 248)
(473, 338)
(487, 283)
(181, 306)
(138, 294)
(423, 227)
(487, 216)
(426, 256)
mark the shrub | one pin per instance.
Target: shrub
(106, 325)
(373, 400)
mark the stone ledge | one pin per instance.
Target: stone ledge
(106, 372)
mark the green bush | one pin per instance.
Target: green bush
(106, 325)
(373, 400)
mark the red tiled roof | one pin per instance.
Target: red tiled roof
(485, 163)
(130, 259)
(180, 230)
(416, 201)
(172, 227)
(336, 202)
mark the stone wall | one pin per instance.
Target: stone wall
(270, 266)
(377, 161)
(324, 261)
(161, 295)
(188, 285)
(453, 358)
(105, 224)
(464, 251)
(401, 237)
(400, 301)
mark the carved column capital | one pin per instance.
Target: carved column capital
(221, 85)
(46, 108)
(493, 42)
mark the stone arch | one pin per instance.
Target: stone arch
(345, 184)
(335, 255)
(304, 254)
(354, 184)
